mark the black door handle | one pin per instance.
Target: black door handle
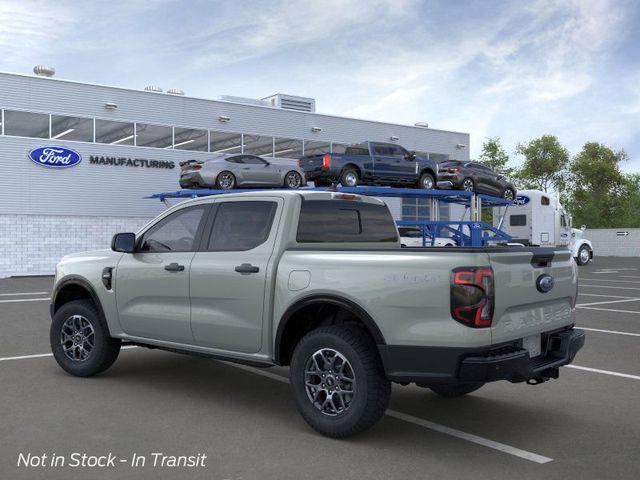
(247, 268)
(174, 267)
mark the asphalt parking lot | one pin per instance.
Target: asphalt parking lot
(584, 425)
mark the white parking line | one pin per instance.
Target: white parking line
(24, 293)
(607, 301)
(610, 331)
(606, 372)
(609, 309)
(610, 286)
(517, 452)
(24, 357)
(40, 355)
(608, 280)
(17, 300)
(601, 295)
(629, 276)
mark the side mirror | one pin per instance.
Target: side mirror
(124, 242)
(583, 228)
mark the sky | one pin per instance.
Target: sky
(509, 69)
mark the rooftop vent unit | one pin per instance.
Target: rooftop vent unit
(175, 91)
(153, 88)
(43, 71)
(244, 100)
(291, 102)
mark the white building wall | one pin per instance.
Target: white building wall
(33, 244)
(612, 242)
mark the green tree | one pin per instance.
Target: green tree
(600, 194)
(545, 164)
(494, 156)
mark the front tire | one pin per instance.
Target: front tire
(456, 389)
(427, 181)
(584, 255)
(338, 381)
(80, 339)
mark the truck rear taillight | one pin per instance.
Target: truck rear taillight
(472, 296)
(326, 161)
(196, 167)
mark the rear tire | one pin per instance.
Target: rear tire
(508, 194)
(326, 365)
(80, 339)
(349, 177)
(225, 180)
(293, 180)
(455, 389)
(427, 181)
(468, 185)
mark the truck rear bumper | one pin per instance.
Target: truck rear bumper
(432, 365)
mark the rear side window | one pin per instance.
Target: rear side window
(240, 226)
(344, 221)
(357, 151)
(518, 220)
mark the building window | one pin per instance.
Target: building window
(338, 148)
(157, 136)
(257, 145)
(71, 128)
(287, 148)
(115, 133)
(225, 142)
(190, 139)
(316, 148)
(26, 124)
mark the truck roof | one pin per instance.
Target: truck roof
(305, 194)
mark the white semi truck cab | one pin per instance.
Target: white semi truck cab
(538, 219)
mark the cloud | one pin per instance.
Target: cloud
(30, 29)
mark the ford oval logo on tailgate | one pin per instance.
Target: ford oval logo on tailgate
(56, 157)
(544, 283)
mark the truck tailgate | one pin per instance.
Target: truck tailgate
(521, 308)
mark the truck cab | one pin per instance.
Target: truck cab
(537, 218)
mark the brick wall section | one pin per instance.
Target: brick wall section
(607, 242)
(33, 244)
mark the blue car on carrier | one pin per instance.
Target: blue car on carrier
(371, 163)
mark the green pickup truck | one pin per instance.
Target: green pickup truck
(318, 281)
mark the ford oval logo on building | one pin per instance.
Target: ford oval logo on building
(544, 283)
(55, 157)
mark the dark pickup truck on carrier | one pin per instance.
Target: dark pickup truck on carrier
(371, 163)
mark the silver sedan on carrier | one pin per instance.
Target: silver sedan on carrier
(241, 170)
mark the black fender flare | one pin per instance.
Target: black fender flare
(429, 170)
(336, 300)
(81, 282)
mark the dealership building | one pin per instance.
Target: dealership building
(128, 143)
